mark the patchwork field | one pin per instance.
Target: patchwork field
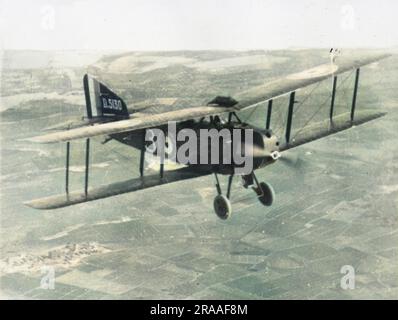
(336, 200)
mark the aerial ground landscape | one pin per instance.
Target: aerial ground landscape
(336, 198)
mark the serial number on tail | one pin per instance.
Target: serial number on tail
(112, 104)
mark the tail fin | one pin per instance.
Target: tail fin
(107, 104)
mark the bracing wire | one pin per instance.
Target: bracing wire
(321, 105)
(283, 124)
(251, 113)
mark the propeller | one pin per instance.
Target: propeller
(291, 160)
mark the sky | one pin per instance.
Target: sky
(196, 24)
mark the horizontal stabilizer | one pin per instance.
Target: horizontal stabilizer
(325, 128)
(65, 200)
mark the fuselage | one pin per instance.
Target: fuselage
(222, 147)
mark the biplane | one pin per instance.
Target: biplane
(108, 115)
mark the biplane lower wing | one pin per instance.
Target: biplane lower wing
(326, 128)
(110, 190)
(314, 132)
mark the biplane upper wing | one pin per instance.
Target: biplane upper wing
(302, 79)
(244, 100)
(142, 122)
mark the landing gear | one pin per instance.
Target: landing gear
(222, 207)
(266, 194)
(264, 191)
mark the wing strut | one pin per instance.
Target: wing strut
(290, 116)
(142, 155)
(354, 97)
(333, 97)
(162, 158)
(269, 112)
(87, 96)
(67, 164)
(67, 167)
(87, 165)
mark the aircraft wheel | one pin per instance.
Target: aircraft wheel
(222, 207)
(266, 194)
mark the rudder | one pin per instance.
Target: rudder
(107, 103)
